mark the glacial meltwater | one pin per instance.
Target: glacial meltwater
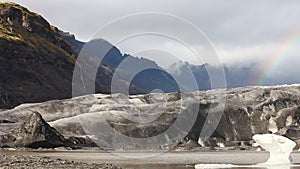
(167, 160)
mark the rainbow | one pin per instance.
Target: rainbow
(278, 56)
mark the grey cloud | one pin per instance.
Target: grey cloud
(222, 20)
(238, 25)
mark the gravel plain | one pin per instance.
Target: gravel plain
(8, 161)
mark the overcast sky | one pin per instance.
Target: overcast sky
(242, 31)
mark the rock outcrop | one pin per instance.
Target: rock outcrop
(35, 132)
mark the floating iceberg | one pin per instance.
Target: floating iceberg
(279, 147)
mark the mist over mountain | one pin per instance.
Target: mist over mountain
(38, 60)
(148, 75)
(235, 76)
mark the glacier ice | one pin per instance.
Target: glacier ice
(279, 147)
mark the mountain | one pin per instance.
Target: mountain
(142, 74)
(187, 73)
(76, 45)
(36, 62)
(234, 76)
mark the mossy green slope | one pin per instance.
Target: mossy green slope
(36, 63)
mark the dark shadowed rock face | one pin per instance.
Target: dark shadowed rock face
(6, 140)
(35, 133)
(82, 141)
(189, 145)
(292, 132)
(34, 58)
(36, 62)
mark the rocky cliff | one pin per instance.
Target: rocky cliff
(248, 111)
(33, 133)
(36, 60)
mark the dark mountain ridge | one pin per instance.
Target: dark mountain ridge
(36, 62)
(144, 75)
